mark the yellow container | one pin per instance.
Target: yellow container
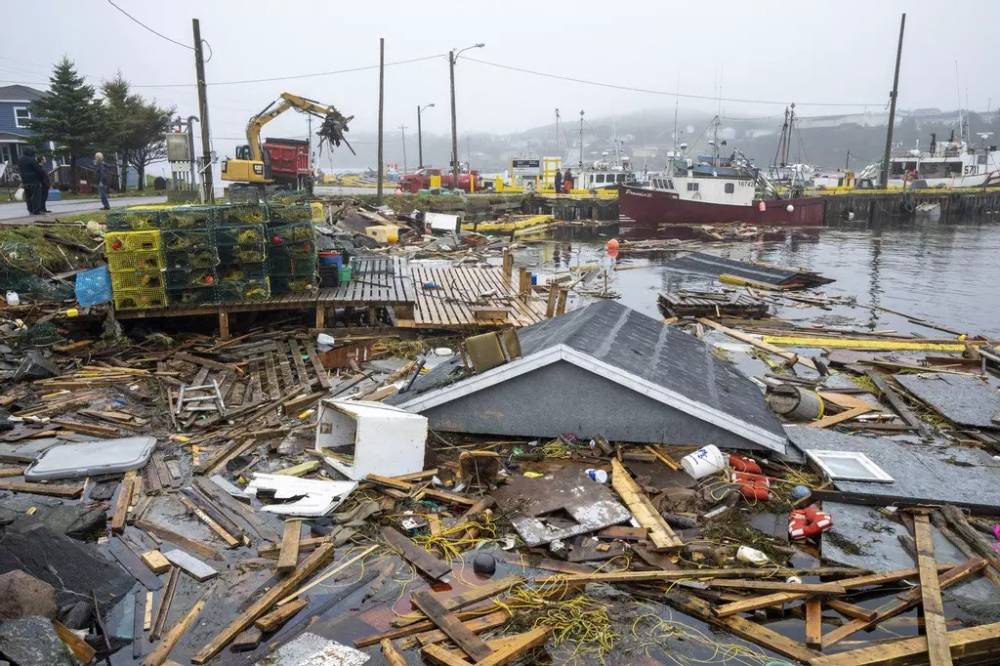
(129, 241)
(125, 280)
(317, 211)
(383, 233)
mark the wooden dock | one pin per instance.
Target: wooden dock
(429, 296)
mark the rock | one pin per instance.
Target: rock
(78, 615)
(32, 641)
(22, 595)
(73, 568)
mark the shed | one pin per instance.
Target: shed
(602, 370)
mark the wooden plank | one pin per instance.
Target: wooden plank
(814, 623)
(328, 574)
(289, 557)
(415, 555)
(203, 550)
(974, 643)
(694, 574)
(162, 650)
(895, 400)
(155, 561)
(660, 533)
(53, 489)
(248, 640)
(273, 551)
(750, 340)
(463, 599)
(845, 415)
(218, 529)
(741, 627)
(284, 587)
(780, 586)
(321, 374)
(930, 593)
(779, 598)
(471, 644)
(439, 655)
(850, 610)
(476, 625)
(433, 493)
(392, 656)
(81, 649)
(956, 519)
(509, 649)
(280, 615)
(166, 599)
(122, 501)
(902, 603)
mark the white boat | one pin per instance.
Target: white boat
(946, 164)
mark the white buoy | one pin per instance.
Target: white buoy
(790, 208)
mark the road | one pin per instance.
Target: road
(16, 213)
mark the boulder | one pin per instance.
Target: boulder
(32, 641)
(22, 595)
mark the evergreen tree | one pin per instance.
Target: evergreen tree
(68, 115)
(134, 128)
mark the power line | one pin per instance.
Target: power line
(650, 91)
(264, 80)
(158, 34)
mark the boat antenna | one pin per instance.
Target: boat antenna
(958, 97)
(581, 139)
(677, 103)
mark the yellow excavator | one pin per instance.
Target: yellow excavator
(283, 162)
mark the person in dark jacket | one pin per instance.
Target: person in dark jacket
(101, 170)
(568, 181)
(42, 193)
(558, 181)
(31, 178)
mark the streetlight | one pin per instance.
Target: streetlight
(420, 139)
(452, 58)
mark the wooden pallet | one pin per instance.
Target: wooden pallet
(464, 291)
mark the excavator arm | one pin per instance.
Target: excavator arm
(333, 128)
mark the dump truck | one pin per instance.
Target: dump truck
(280, 163)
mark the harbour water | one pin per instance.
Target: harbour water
(942, 273)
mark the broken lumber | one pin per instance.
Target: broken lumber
(464, 599)
(289, 555)
(930, 592)
(284, 587)
(415, 555)
(902, 603)
(677, 574)
(53, 489)
(972, 643)
(660, 533)
(759, 344)
(956, 519)
(392, 656)
(163, 648)
(280, 615)
(471, 644)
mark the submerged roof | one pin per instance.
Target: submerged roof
(631, 349)
(700, 262)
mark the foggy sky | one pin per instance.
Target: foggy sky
(807, 53)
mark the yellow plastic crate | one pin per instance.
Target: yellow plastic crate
(140, 299)
(128, 280)
(130, 241)
(136, 260)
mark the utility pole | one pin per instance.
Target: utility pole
(581, 139)
(454, 123)
(208, 190)
(847, 161)
(558, 154)
(884, 175)
(381, 88)
(452, 59)
(402, 132)
(420, 135)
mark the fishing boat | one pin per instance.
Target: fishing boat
(952, 163)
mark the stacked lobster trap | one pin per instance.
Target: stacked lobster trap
(194, 255)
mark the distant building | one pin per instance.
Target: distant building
(15, 112)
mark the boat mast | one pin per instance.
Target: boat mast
(884, 176)
(581, 139)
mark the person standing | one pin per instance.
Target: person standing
(31, 178)
(42, 193)
(101, 171)
(558, 181)
(568, 181)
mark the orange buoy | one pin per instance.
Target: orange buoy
(612, 247)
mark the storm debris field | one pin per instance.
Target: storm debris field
(553, 477)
